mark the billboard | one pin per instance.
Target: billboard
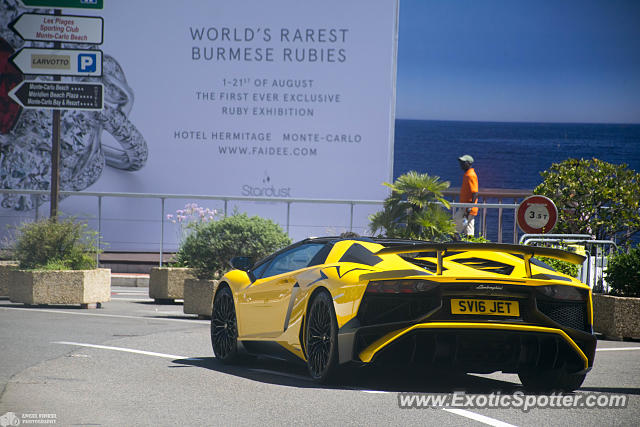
(279, 99)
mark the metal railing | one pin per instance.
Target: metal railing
(287, 202)
(593, 269)
(499, 196)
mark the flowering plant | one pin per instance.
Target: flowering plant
(210, 247)
(190, 217)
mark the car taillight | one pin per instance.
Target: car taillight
(563, 292)
(399, 286)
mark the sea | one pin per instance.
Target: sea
(508, 155)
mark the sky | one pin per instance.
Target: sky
(566, 61)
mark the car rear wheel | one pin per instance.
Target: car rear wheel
(224, 328)
(322, 338)
(551, 380)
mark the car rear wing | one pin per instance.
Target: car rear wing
(527, 252)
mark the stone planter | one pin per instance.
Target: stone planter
(5, 267)
(89, 288)
(616, 317)
(198, 297)
(167, 283)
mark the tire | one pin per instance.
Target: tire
(551, 380)
(224, 327)
(321, 338)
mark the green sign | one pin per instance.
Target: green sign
(60, 4)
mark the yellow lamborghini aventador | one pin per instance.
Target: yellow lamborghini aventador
(463, 306)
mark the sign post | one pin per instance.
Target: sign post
(537, 215)
(55, 150)
(57, 28)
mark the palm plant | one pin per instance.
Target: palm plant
(415, 209)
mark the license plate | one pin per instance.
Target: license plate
(485, 307)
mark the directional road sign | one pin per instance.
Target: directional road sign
(59, 96)
(59, 62)
(60, 4)
(59, 28)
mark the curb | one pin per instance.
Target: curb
(130, 280)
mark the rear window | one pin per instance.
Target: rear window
(361, 255)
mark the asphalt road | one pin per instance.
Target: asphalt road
(136, 363)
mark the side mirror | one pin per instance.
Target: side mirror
(243, 263)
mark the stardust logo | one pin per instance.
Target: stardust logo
(267, 189)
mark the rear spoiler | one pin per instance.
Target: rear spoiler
(527, 252)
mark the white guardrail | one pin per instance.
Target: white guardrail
(592, 271)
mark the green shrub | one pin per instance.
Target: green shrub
(561, 266)
(473, 239)
(6, 254)
(623, 273)
(594, 197)
(65, 244)
(55, 264)
(210, 247)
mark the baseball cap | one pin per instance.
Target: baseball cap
(466, 158)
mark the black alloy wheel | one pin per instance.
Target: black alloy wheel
(224, 328)
(322, 338)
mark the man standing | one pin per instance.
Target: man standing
(465, 217)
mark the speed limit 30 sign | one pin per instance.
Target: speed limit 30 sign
(537, 215)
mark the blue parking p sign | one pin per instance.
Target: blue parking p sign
(87, 62)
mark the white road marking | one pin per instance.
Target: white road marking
(368, 391)
(127, 350)
(117, 316)
(170, 356)
(477, 417)
(130, 293)
(618, 349)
